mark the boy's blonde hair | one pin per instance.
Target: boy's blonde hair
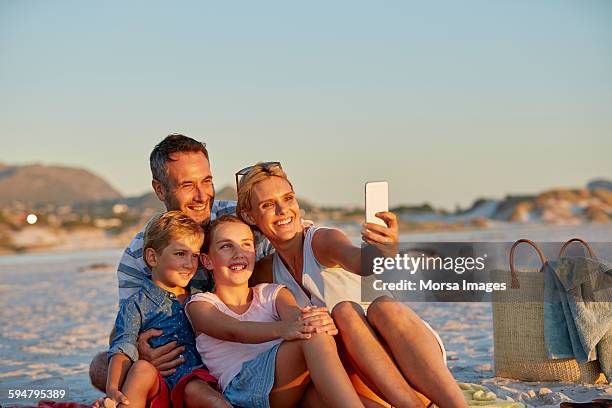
(167, 226)
(212, 227)
(258, 173)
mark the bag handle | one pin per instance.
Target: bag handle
(583, 242)
(515, 283)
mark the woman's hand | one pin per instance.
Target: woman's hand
(378, 234)
(319, 319)
(386, 238)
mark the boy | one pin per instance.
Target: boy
(172, 244)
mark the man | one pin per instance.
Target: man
(182, 180)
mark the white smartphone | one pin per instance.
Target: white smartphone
(376, 200)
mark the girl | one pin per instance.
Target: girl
(252, 339)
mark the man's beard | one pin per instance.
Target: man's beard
(172, 204)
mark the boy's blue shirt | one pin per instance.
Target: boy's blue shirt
(154, 308)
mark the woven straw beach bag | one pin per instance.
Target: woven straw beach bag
(518, 329)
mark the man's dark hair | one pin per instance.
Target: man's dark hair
(173, 143)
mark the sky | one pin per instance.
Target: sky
(448, 101)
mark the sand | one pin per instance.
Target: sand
(56, 313)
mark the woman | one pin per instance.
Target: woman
(392, 350)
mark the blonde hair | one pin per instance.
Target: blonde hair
(167, 226)
(258, 173)
(212, 228)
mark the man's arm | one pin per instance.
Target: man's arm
(127, 326)
(165, 358)
(132, 268)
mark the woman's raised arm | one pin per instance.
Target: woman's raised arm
(332, 248)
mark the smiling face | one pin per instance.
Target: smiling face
(176, 264)
(190, 186)
(274, 209)
(231, 254)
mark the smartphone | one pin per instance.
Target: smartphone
(376, 200)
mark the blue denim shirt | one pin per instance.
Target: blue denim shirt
(154, 308)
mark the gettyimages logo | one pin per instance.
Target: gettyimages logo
(412, 264)
(463, 272)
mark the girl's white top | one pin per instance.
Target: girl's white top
(224, 358)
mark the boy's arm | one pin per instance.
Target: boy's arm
(127, 327)
(118, 368)
(206, 318)
(122, 351)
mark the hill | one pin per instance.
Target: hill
(39, 184)
(556, 206)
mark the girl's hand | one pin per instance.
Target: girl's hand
(295, 330)
(319, 319)
(114, 398)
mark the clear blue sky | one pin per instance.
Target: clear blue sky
(447, 100)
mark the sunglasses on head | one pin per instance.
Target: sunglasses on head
(265, 165)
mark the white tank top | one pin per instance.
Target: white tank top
(327, 286)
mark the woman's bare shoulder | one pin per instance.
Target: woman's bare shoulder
(327, 239)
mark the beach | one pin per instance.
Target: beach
(57, 310)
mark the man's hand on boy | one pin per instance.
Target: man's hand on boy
(319, 319)
(165, 358)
